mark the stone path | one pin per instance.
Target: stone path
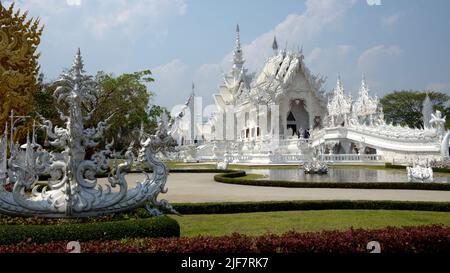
(201, 187)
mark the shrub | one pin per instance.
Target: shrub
(242, 207)
(135, 228)
(424, 239)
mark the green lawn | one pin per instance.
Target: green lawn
(282, 221)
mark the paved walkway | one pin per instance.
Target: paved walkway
(201, 187)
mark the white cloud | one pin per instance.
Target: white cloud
(172, 82)
(373, 2)
(73, 2)
(441, 87)
(128, 15)
(374, 56)
(343, 50)
(314, 55)
(207, 78)
(295, 30)
(107, 17)
(391, 19)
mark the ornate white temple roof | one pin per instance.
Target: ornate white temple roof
(340, 103)
(365, 105)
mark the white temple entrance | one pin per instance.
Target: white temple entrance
(297, 119)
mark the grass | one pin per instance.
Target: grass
(282, 221)
(253, 176)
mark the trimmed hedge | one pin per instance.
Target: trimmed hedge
(243, 207)
(150, 227)
(423, 239)
(235, 178)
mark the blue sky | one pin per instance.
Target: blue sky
(399, 44)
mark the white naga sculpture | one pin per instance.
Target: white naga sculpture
(223, 165)
(315, 166)
(72, 190)
(439, 122)
(420, 173)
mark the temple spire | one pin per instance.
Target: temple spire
(364, 90)
(238, 60)
(78, 66)
(427, 110)
(339, 85)
(275, 45)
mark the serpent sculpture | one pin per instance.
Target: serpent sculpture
(72, 190)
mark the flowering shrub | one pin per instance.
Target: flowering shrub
(423, 239)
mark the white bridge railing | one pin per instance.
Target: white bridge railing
(352, 158)
(264, 158)
(297, 158)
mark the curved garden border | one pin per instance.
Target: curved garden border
(267, 206)
(235, 177)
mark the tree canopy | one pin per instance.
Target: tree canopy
(405, 107)
(125, 99)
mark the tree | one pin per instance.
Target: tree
(124, 99)
(18, 61)
(154, 113)
(405, 107)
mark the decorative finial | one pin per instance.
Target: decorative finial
(363, 81)
(78, 63)
(339, 84)
(238, 39)
(275, 45)
(238, 59)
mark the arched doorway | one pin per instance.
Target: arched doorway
(297, 117)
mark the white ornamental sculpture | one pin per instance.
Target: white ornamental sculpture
(420, 173)
(439, 123)
(315, 166)
(72, 190)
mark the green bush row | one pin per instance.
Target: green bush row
(151, 227)
(243, 207)
(234, 178)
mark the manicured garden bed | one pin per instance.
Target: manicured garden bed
(424, 239)
(279, 222)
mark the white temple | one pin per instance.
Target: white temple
(283, 115)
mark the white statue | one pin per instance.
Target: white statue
(315, 166)
(223, 165)
(420, 173)
(439, 122)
